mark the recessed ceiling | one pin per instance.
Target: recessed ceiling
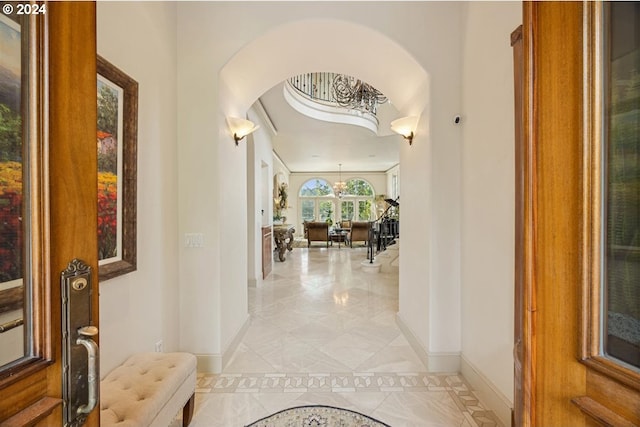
(305, 144)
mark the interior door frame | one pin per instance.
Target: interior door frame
(552, 115)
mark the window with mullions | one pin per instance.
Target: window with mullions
(313, 200)
(361, 195)
(346, 210)
(356, 201)
(308, 210)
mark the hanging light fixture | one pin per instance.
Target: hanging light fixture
(340, 186)
(353, 93)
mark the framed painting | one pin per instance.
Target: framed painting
(117, 140)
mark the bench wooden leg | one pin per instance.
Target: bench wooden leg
(187, 410)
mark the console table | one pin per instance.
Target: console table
(283, 237)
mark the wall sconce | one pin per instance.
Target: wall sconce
(404, 126)
(240, 127)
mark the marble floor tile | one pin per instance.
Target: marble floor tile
(393, 359)
(436, 409)
(323, 332)
(351, 349)
(246, 360)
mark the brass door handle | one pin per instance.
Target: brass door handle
(85, 333)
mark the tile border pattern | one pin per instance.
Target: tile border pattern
(353, 382)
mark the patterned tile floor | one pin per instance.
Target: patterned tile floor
(323, 332)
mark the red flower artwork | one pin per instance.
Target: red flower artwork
(107, 216)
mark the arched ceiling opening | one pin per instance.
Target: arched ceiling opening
(326, 45)
(312, 45)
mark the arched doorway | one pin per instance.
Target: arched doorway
(325, 43)
(329, 43)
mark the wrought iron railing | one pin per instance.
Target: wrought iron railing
(316, 86)
(383, 231)
(338, 90)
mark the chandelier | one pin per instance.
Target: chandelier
(353, 93)
(340, 186)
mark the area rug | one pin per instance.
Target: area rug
(317, 416)
(299, 242)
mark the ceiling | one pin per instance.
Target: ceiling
(305, 144)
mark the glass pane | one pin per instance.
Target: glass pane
(346, 210)
(622, 182)
(308, 210)
(316, 187)
(326, 211)
(358, 187)
(13, 194)
(364, 210)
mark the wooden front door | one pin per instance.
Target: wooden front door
(564, 376)
(63, 188)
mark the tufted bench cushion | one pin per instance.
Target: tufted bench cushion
(149, 389)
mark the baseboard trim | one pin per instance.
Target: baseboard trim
(213, 363)
(413, 341)
(487, 392)
(233, 345)
(434, 361)
(444, 362)
(253, 283)
(209, 363)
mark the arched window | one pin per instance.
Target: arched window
(318, 202)
(357, 201)
(358, 187)
(315, 187)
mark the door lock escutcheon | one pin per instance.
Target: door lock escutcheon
(80, 352)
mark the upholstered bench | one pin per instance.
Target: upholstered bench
(149, 389)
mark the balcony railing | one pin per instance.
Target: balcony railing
(314, 94)
(339, 90)
(316, 86)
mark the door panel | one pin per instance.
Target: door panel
(562, 382)
(68, 204)
(72, 157)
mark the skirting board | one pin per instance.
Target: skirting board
(435, 362)
(233, 345)
(214, 362)
(488, 394)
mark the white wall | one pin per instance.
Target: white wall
(488, 192)
(431, 203)
(141, 308)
